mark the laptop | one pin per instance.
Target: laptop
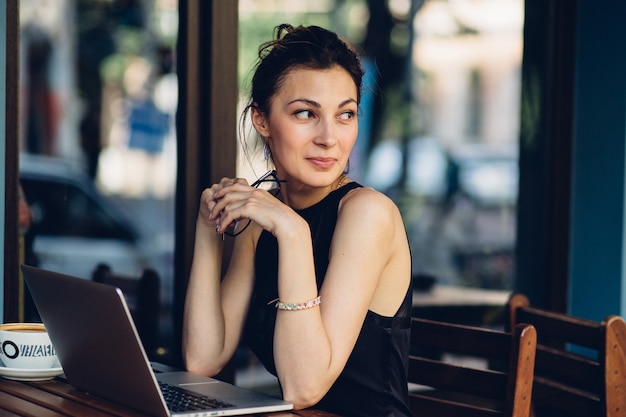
(100, 351)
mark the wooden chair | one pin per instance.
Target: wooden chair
(580, 369)
(142, 296)
(500, 385)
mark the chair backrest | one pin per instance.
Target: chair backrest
(497, 383)
(142, 294)
(580, 368)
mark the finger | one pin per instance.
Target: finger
(207, 199)
(230, 184)
(230, 215)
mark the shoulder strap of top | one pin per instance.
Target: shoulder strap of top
(342, 191)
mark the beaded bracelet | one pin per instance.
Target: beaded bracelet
(301, 306)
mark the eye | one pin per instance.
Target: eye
(304, 114)
(347, 115)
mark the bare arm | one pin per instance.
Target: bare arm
(312, 346)
(369, 266)
(214, 310)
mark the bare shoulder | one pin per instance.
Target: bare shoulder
(370, 228)
(372, 212)
(368, 203)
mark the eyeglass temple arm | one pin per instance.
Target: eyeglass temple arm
(266, 177)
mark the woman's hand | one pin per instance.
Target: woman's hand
(208, 201)
(233, 200)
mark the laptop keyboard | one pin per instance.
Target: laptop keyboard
(179, 399)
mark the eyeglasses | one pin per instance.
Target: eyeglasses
(268, 182)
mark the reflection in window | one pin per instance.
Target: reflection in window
(438, 126)
(468, 59)
(99, 91)
(438, 122)
(65, 209)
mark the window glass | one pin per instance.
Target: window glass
(65, 209)
(438, 123)
(98, 95)
(438, 132)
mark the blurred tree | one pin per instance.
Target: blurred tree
(97, 23)
(41, 105)
(389, 44)
(377, 48)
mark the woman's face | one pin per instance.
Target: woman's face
(311, 125)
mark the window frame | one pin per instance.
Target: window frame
(13, 284)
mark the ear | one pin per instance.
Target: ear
(259, 120)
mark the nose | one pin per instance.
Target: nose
(326, 134)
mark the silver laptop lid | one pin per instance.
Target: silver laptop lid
(100, 351)
(81, 317)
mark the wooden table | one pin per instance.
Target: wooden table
(56, 398)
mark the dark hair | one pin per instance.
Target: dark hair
(298, 47)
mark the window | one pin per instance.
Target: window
(439, 121)
(98, 96)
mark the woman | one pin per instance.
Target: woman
(319, 279)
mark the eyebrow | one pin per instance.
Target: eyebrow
(318, 105)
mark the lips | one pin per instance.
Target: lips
(322, 162)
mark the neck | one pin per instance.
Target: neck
(303, 197)
(342, 180)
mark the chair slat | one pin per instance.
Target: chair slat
(551, 398)
(577, 371)
(580, 366)
(615, 364)
(482, 382)
(562, 328)
(432, 406)
(469, 389)
(438, 335)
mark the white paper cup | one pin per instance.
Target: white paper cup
(26, 346)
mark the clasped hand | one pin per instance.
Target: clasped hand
(232, 200)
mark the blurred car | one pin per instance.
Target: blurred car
(460, 203)
(74, 227)
(487, 174)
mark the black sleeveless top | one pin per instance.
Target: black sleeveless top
(374, 380)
